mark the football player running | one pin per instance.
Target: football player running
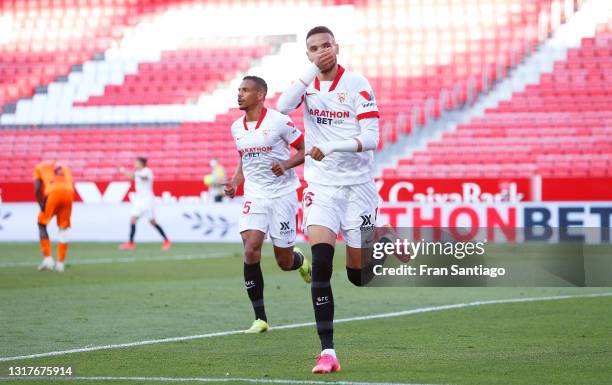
(263, 138)
(341, 134)
(143, 203)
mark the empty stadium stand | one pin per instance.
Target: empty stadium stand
(47, 39)
(179, 76)
(559, 127)
(417, 70)
(412, 59)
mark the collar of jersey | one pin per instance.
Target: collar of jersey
(261, 118)
(317, 83)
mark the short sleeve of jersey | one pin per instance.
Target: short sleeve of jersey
(234, 132)
(289, 132)
(364, 102)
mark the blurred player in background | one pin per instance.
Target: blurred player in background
(54, 193)
(143, 204)
(341, 129)
(215, 180)
(263, 138)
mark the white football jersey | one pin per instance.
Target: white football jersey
(262, 143)
(143, 181)
(332, 110)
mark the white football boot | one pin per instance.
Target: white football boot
(47, 264)
(59, 267)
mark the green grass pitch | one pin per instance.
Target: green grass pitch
(112, 297)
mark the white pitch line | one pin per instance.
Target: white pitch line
(205, 380)
(97, 261)
(421, 310)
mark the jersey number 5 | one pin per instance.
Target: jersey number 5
(247, 207)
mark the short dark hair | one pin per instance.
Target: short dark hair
(142, 160)
(259, 82)
(319, 29)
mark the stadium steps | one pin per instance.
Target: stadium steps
(190, 20)
(583, 24)
(47, 41)
(396, 91)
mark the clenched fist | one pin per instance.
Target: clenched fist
(278, 168)
(316, 153)
(229, 190)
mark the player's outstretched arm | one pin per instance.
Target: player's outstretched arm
(237, 180)
(298, 158)
(126, 173)
(291, 98)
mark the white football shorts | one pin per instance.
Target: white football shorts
(276, 217)
(347, 210)
(143, 208)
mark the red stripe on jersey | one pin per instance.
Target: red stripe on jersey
(371, 114)
(366, 95)
(261, 118)
(264, 111)
(297, 140)
(317, 82)
(337, 78)
(301, 101)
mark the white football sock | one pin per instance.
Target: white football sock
(331, 352)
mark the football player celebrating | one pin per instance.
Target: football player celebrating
(263, 137)
(341, 135)
(54, 193)
(143, 203)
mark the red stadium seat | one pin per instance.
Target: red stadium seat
(408, 67)
(559, 127)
